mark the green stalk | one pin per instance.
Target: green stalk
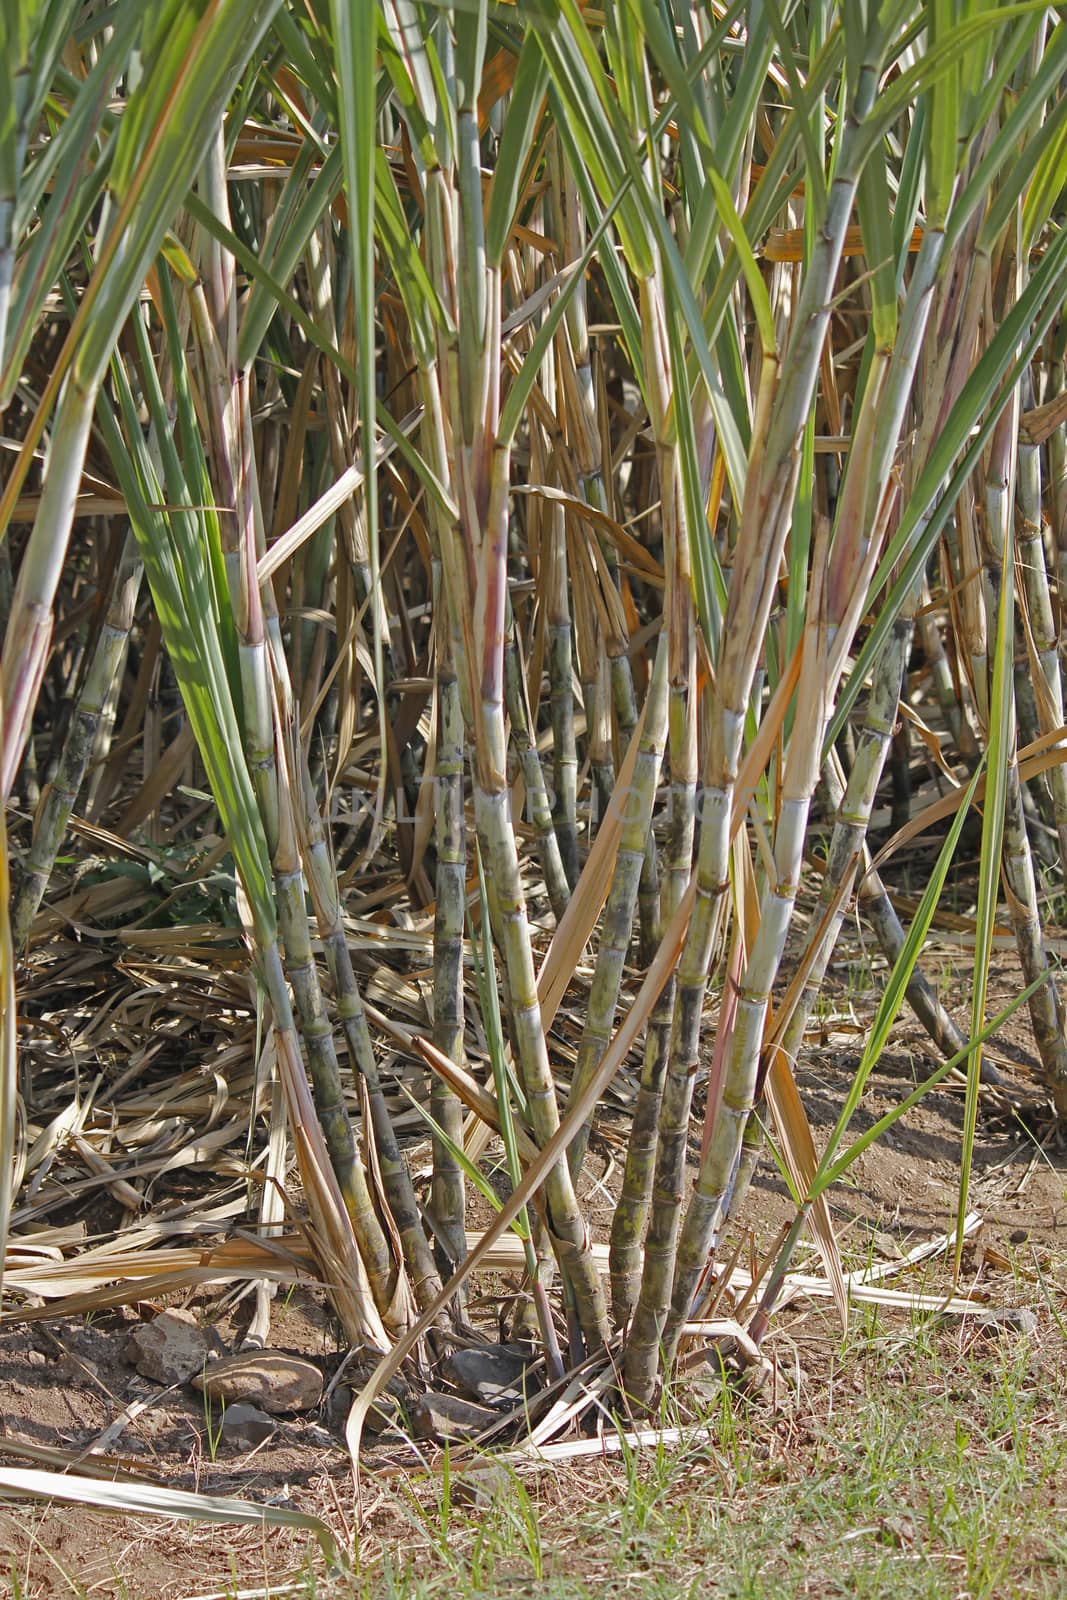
(335, 1238)
(538, 804)
(179, 548)
(396, 1179)
(235, 470)
(496, 838)
(535, 1247)
(561, 696)
(447, 1188)
(1057, 460)
(770, 489)
(631, 1211)
(1037, 595)
(54, 815)
(618, 918)
(853, 811)
(674, 1099)
(956, 719)
(497, 841)
(28, 637)
(1046, 1007)
(764, 527)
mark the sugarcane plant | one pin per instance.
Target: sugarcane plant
(560, 428)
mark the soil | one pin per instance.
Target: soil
(62, 1383)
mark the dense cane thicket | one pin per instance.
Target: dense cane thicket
(485, 487)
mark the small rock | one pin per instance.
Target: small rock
(168, 1349)
(386, 1412)
(482, 1486)
(1012, 1319)
(246, 1425)
(897, 1531)
(268, 1378)
(489, 1374)
(446, 1416)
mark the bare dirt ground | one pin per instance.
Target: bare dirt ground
(62, 1383)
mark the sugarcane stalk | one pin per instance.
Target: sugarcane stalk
(317, 1033)
(564, 800)
(235, 467)
(875, 438)
(591, 447)
(655, 1158)
(718, 1168)
(497, 841)
(1046, 1007)
(474, 567)
(334, 1239)
(28, 636)
(769, 493)
(396, 1179)
(538, 804)
(954, 713)
(631, 1211)
(618, 917)
(675, 1097)
(447, 1185)
(62, 792)
(889, 386)
(853, 805)
(1034, 586)
(1057, 466)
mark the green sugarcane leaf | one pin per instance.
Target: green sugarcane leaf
(301, 209)
(354, 24)
(192, 621)
(1003, 161)
(940, 61)
(248, 260)
(515, 403)
(411, 60)
(708, 584)
(302, 59)
(520, 124)
(963, 438)
(1049, 181)
(33, 34)
(943, 122)
(192, 64)
(64, 167)
(421, 301)
(650, 33)
(975, 64)
(1039, 146)
(876, 225)
(815, 183)
(592, 119)
(757, 289)
(470, 1168)
(909, 191)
